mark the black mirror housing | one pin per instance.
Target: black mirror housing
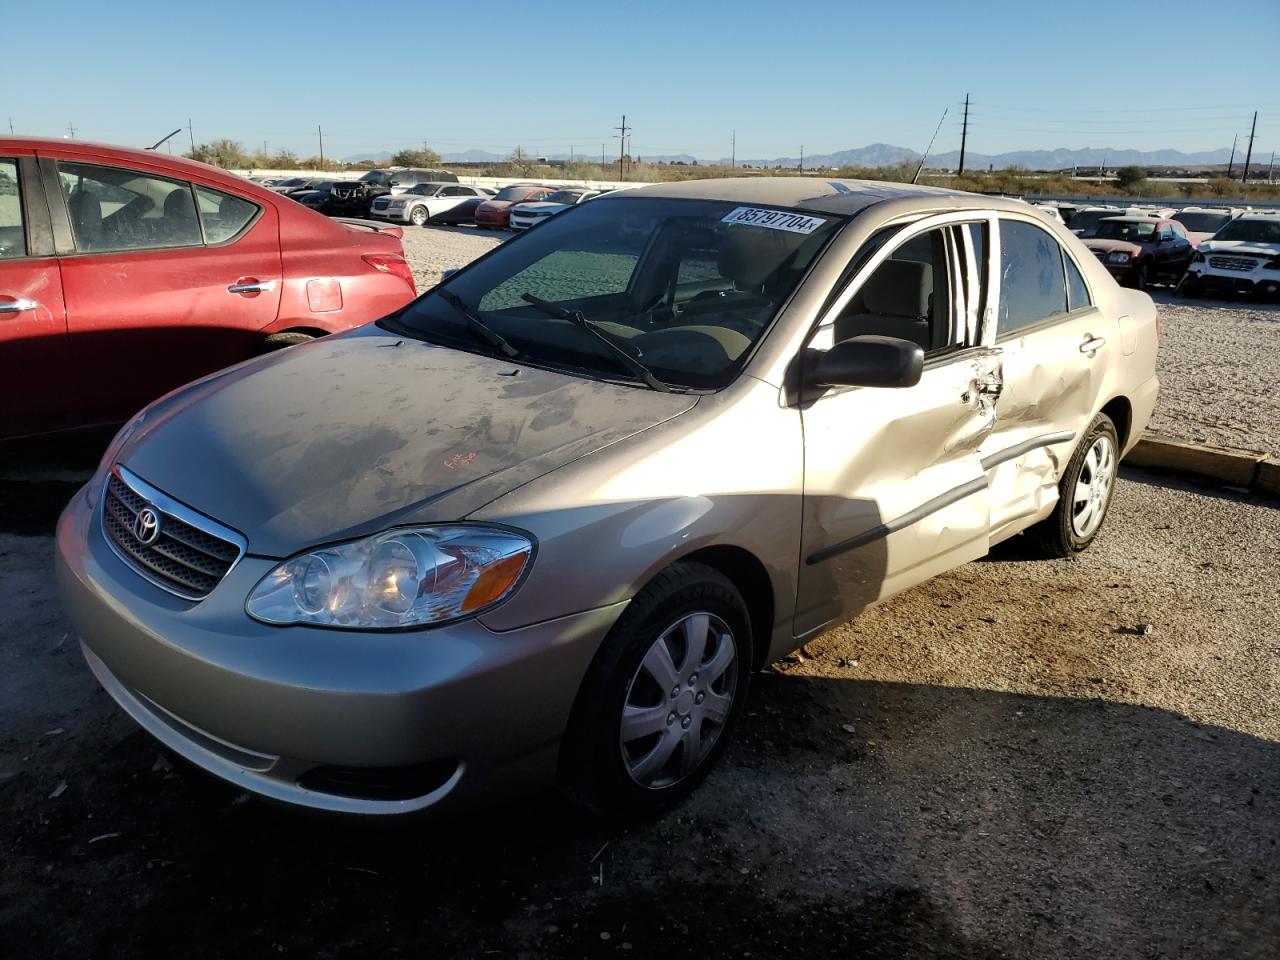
(869, 361)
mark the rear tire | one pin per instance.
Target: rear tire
(1084, 494)
(676, 667)
(278, 341)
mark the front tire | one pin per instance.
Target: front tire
(1189, 288)
(1084, 494)
(1141, 276)
(660, 699)
(418, 216)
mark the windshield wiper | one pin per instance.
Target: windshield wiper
(578, 320)
(477, 327)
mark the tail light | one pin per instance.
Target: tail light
(393, 264)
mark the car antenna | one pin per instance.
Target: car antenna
(926, 149)
(160, 143)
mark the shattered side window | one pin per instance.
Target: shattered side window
(1032, 281)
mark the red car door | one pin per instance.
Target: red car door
(165, 280)
(37, 393)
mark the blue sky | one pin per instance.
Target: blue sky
(828, 75)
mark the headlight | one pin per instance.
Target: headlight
(1118, 257)
(396, 203)
(407, 577)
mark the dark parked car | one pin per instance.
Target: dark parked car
(125, 273)
(355, 198)
(1140, 250)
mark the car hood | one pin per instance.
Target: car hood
(1111, 246)
(499, 204)
(352, 434)
(1245, 247)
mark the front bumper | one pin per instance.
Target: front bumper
(1259, 280)
(499, 221)
(288, 712)
(399, 215)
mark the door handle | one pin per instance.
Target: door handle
(21, 305)
(256, 286)
(1092, 345)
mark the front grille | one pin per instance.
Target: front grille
(1100, 254)
(183, 558)
(1232, 263)
(381, 203)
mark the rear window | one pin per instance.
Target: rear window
(13, 242)
(223, 216)
(1202, 222)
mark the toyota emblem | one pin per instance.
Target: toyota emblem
(146, 526)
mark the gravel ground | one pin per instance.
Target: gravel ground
(1000, 763)
(1219, 361)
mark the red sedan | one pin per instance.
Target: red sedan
(126, 273)
(496, 213)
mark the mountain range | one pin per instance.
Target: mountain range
(885, 154)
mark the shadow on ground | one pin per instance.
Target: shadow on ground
(851, 819)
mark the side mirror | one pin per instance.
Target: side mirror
(869, 361)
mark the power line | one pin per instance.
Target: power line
(1122, 110)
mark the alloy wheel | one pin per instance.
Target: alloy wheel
(1093, 488)
(678, 700)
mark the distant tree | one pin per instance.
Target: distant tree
(416, 158)
(1130, 178)
(521, 162)
(228, 154)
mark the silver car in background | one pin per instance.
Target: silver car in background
(544, 523)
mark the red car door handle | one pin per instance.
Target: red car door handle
(21, 305)
(251, 286)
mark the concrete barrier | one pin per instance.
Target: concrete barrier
(1246, 469)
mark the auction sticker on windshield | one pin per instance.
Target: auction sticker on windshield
(774, 220)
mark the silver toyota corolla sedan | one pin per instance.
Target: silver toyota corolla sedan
(544, 523)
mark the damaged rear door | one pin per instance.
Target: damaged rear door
(894, 488)
(1054, 342)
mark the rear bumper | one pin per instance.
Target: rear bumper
(457, 711)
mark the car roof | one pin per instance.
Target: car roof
(842, 197)
(110, 150)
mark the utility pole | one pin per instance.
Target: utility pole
(733, 149)
(964, 133)
(1231, 164)
(11, 126)
(1248, 154)
(71, 129)
(622, 145)
(1271, 168)
(320, 133)
(802, 158)
(191, 135)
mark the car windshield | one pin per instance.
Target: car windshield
(565, 196)
(424, 189)
(516, 193)
(375, 176)
(1202, 222)
(1137, 231)
(1088, 219)
(1252, 231)
(686, 293)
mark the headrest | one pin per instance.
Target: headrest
(177, 205)
(899, 288)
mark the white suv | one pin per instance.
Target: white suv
(1242, 257)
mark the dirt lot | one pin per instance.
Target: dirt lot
(1001, 763)
(1219, 361)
